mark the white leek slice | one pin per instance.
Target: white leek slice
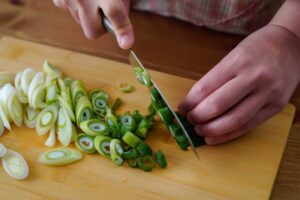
(22, 97)
(52, 72)
(27, 76)
(46, 119)
(65, 129)
(17, 81)
(15, 165)
(6, 77)
(37, 81)
(4, 118)
(5, 90)
(39, 97)
(15, 108)
(1, 127)
(60, 156)
(67, 107)
(3, 150)
(50, 142)
(51, 92)
(30, 116)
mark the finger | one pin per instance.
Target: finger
(235, 118)
(117, 14)
(214, 79)
(90, 19)
(262, 115)
(221, 100)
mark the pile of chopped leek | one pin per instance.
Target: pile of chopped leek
(62, 108)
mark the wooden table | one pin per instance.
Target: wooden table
(173, 46)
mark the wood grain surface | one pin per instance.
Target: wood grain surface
(172, 46)
(242, 169)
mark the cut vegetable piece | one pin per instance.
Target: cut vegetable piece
(83, 110)
(94, 127)
(126, 88)
(52, 72)
(127, 122)
(15, 165)
(145, 163)
(60, 156)
(68, 81)
(15, 108)
(166, 115)
(1, 127)
(146, 79)
(118, 160)
(77, 91)
(138, 74)
(116, 105)
(131, 153)
(131, 139)
(51, 93)
(116, 147)
(143, 149)
(17, 81)
(113, 124)
(175, 130)
(64, 127)
(132, 162)
(21, 95)
(39, 97)
(6, 77)
(4, 93)
(26, 79)
(46, 119)
(102, 145)
(151, 110)
(100, 103)
(160, 158)
(50, 142)
(85, 143)
(141, 132)
(137, 116)
(67, 107)
(30, 116)
(4, 118)
(37, 81)
(155, 96)
(3, 150)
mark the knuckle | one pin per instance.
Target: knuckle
(113, 12)
(263, 76)
(235, 122)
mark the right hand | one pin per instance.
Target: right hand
(86, 13)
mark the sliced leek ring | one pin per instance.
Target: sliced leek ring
(50, 142)
(65, 129)
(83, 110)
(94, 127)
(85, 143)
(51, 93)
(3, 150)
(15, 165)
(26, 79)
(60, 156)
(4, 93)
(4, 118)
(15, 108)
(67, 107)
(30, 116)
(37, 81)
(102, 145)
(39, 97)
(46, 119)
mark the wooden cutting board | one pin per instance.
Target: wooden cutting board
(242, 169)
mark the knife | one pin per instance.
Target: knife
(194, 139)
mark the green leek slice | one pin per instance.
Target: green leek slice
(94, 127)
(77, 91)
(85, 143)
(15, 165)
(116, 105)
(67, 107)
(160, 158)
(102, 145)
(143, 149)
(131, 139)
(50, 142)
(30, 116)
(145, 163)
(113, 124)
(52, 72)
(126, 88)
(118, 160)
(39, 97)
(46, 119)
(65, 129)
(166, 115)
(100, 103)
(60, 156)
(116, 147)
(83, 110)
(131, 153)
(3, 150)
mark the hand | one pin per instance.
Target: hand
(251, 84)
(85, 12)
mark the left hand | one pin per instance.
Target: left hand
(251, 84)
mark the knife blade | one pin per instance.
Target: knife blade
(194, 140)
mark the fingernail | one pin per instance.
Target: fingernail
(124, 40)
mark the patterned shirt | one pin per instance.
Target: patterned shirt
(232, 16)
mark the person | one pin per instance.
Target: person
(249, 85)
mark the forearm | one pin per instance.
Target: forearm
(288, 17)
